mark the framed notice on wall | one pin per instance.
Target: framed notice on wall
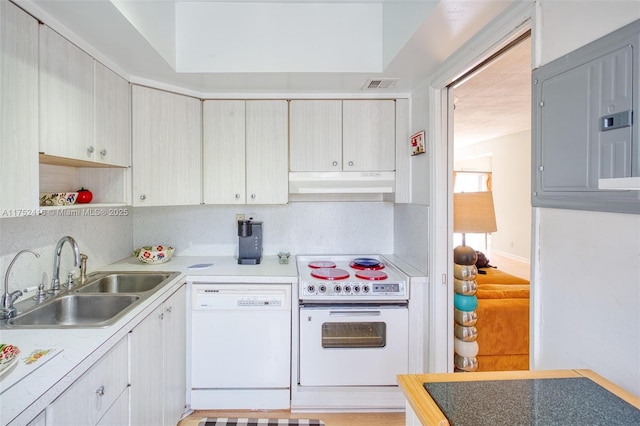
(417, 143)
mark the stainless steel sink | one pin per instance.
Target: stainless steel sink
(77, 310)
(125, 282)
(101, 301)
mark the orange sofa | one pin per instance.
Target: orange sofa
(503, 321)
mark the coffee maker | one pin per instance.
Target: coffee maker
(249, 242)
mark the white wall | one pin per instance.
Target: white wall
(587, 274)
(511, 167)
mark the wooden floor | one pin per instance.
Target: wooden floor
(330, 419)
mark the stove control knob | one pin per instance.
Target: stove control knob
(311, 288)
(356, 289)
(337, 289)
(347, 289)
(322, 288)
(365, 288)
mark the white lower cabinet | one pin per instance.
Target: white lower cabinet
(158, 364)
(90, 398)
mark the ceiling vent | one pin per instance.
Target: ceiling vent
(380, 83)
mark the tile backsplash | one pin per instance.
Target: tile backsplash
(104, 239)
(298, 228)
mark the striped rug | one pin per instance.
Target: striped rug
(223, 421)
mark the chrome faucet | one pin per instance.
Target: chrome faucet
(7, 310)
(55, 281)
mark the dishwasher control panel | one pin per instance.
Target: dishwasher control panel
(240, 296)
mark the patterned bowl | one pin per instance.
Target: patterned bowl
(154, 254)
(58, 198)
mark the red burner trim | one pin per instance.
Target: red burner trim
(322, 264)
(330, 274)
(372, 275)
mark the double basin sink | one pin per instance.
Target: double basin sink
(101, 301)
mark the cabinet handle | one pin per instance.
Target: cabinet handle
(237, 196)
(351, 163)
(90, 151)
(161, 316)
(103, 153)
(100, 391)
(253, 196)
(335, 163)
(143, 197)
(168, 309)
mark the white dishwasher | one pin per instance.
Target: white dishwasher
(240, 346)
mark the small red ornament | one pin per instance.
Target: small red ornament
(84, 196)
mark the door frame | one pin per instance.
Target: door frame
(509, 26)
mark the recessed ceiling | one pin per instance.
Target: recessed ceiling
(407, 40)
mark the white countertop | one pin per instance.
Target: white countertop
(81, 348)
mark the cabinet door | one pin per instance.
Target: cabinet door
(66, 97)
(267, 156)
(92, 395)
(112, 118)
(175, 357)
(18, 110)
(147, 375)
(166, 148)
(315, 135)
(224, 152)
(368, 135)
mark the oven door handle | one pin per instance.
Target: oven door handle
(354, 313)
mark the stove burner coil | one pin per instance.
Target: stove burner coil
(316, 264)
(371, 275)
(366, 264)
(330, 274)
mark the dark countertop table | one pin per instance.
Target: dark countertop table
(561, 397)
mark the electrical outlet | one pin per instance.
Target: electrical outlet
(239, 217)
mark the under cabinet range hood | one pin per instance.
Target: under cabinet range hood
(342, 182)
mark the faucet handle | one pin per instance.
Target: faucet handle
(69, 283)
(41, 295)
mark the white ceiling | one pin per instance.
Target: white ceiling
(412, 39)
(497, 100)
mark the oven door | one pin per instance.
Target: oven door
(353, 345)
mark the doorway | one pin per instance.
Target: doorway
(491, 170)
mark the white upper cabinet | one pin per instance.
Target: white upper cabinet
(368, 135)
(166, 148)
(267, 152)
(245, 152)
(348, 135)
(85, 107)
(315, 135)
(224, 152)
(18, 111)
(66, 98)
(112, 144)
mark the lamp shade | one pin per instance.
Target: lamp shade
(473, 212)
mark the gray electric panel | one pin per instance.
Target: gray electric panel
(583, 125)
